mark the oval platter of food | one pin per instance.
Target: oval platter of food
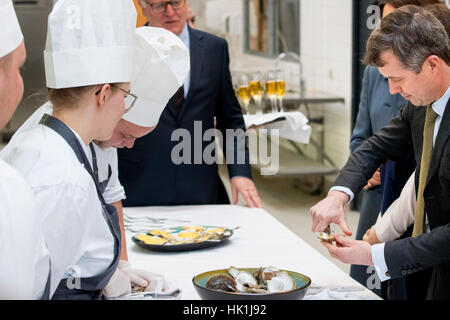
(182, 238)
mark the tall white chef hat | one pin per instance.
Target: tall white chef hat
(161, 65)
(10, 34)
(89, 42)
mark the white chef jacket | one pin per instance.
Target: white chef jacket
(24, 259)
(114, 191)
(75, 230)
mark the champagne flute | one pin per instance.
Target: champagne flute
(257, 90)
(281, 89)
(271, 89)
(234, 81)
(244, 91)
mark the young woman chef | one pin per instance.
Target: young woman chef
(88, 62)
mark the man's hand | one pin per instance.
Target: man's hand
(246, 187)
(350, 251)
(331, 210)
(371, 236)
(374, 181)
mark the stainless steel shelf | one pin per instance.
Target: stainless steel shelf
(311, 97)
(295, 165)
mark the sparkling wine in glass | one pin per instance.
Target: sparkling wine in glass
(244, 90)
(257, 89)
(271, 89)
(281, 89)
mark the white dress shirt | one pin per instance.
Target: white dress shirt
(184, 36)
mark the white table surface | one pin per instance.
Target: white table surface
(260, 241)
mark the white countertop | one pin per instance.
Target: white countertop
(260, 241)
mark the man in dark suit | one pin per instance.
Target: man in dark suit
(170, 165)
(412, 50)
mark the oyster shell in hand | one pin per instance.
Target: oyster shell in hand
(327, 235)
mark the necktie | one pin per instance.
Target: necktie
(177, 101)
(427, 149)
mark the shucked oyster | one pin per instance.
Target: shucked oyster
(262, 281)
(276, 280)
(268, 273)
(327, 235)
(222, 282)
(281, 282)
(245, 282)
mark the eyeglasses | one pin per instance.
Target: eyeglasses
(130, 99)
(162, 6)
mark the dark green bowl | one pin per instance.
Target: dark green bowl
(199, 281)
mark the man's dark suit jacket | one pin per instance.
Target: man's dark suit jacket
(147, 172)
(431, 250)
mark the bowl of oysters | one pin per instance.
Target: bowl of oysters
(264, 283)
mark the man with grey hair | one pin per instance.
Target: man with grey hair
(206, 95)
(411, 49)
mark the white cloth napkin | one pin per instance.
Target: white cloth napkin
(337, 293)
(291, 125)
(173, 294)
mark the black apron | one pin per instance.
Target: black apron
(101, 184)
(46, 295)
(91, 288)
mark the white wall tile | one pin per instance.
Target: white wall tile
(326, 38)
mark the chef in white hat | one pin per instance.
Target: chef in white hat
(88, 62)
(161, 64)
(158, 56)
(24, 263)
